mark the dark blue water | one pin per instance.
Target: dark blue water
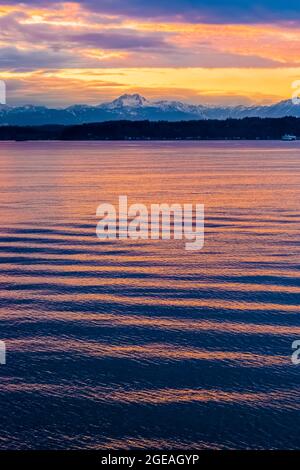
(123, 344)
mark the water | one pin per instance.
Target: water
(142, 344)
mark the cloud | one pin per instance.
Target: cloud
(56, 90)
(210, 11)
(12, 58)
(82, 45)
(47, 45)
(208, 56)
(49, 36)
(202, 11)
(194, 11)
(64, 87)
(116, 40)
(72, 28)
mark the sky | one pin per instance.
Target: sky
(200, 51)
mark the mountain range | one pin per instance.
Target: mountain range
(136, 108)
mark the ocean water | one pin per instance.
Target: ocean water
(141, 344)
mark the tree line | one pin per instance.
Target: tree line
(247, 128)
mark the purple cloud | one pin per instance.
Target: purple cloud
(115, 40)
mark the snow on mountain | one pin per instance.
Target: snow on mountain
(128, 101)
(136, 107)
(179, 106)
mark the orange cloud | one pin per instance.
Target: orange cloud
(191, 84)
(51, 51)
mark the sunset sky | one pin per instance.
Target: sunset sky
(90, 51)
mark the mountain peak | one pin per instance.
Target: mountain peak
(127, 100)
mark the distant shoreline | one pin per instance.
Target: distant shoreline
(20, 141)
(200, 130)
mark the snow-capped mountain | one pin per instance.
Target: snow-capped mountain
(127, 101)
(136, 107)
